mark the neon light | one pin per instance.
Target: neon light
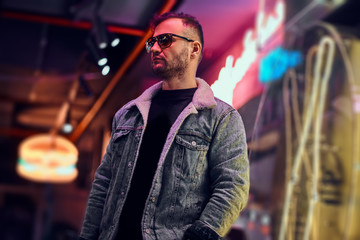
(276, 64)
(233, 73)
(266, 25)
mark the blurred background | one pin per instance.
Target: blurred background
(290, 67)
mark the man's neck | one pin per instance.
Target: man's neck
(179, 83)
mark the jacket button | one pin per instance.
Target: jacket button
(193, 143)
(147, 231)
(153, 199)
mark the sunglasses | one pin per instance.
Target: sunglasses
(164, 40)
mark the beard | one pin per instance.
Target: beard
(174, 68)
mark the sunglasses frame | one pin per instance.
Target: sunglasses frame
(151, 41)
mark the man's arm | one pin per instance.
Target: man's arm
(229, 173)
(96, 201)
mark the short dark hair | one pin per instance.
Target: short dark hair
(188, 20)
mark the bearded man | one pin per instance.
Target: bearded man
(176, 166)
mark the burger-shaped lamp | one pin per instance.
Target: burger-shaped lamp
(47, 158)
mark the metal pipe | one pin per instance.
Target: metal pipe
(69, 23)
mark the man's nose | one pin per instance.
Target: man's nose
(156, 47)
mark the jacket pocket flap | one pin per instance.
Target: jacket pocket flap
(192, 142)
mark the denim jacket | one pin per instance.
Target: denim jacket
(202, 177)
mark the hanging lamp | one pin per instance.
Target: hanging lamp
(47, 158)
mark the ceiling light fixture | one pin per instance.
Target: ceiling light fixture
(113, 39)
(101, 32)
(67, 127)
(47, 158)
(105, 70)
(97, 53)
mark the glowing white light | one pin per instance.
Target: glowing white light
(102, 45)
(102, 61)
(115, 42)
(105, 70)
(67, 128)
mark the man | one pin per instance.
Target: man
(176, 166)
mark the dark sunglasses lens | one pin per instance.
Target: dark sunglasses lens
(165, 40)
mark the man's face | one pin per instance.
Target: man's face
(172, 61)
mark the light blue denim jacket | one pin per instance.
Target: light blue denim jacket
(202, 177)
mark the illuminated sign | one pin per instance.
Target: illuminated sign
(234, 71)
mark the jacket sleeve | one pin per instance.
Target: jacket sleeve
(98, 193)
(229, 176)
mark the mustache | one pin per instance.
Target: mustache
(156, 56)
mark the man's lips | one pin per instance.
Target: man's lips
(156, 59)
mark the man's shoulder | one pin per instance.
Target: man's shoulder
(222, 103)
(223, 107)
(126, 110)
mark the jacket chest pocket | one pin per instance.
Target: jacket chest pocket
(125, 140)
(191, 150)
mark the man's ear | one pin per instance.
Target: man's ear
(196, 49)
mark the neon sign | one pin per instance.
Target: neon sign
(234, 70)
(276, 64)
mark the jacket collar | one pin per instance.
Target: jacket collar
(203, 96)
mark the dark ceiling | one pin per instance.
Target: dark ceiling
(43, 51)
(48, 75)
(49, 36)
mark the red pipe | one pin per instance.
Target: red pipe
(69, 23)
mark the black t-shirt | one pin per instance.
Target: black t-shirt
(165, 108)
